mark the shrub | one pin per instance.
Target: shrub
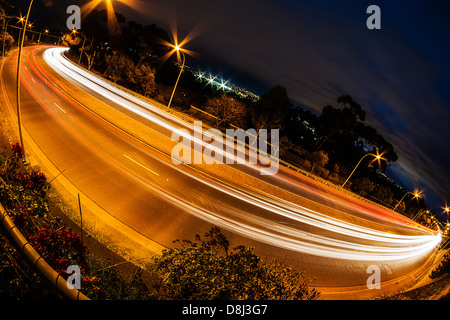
(443, 268)
(207, 270)
(61, 249)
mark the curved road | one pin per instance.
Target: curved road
(114, 147)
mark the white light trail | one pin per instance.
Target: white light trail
(65, 68)
(387, 246)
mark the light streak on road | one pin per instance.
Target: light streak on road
(141, 165)
(54, 57)
(393, 247)
(56, 105)
(286, 234)
(66, 68)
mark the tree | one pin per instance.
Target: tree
(284, 146)
(90, 56)
(339, 120)
(145, 79)
(317, 158)
(227, 109)
(154, 38)
(271, 110)
(301, 127)
(8, 39)
(368, 136)
(119, 66)
(443, 268)
(70, 40)
(343, 134)
(207, 269)
(384, 194)
(363, 186)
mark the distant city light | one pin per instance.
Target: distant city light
(222, 84)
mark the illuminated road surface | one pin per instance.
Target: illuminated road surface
(330, 235)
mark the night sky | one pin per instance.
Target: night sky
(320, 50)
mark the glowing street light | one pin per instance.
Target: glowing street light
(74, 32)
(446, 210)
(40, 34)
(416, 194)
(376, 157)
(177, 49)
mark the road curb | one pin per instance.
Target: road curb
(37, 261)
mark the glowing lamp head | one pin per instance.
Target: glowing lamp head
(417, 194)
(177, 47)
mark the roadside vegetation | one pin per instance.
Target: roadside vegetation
(24, 196)
(206, 269)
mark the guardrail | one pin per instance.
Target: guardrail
(37, 261)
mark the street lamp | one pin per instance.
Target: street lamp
(177, 49)
(40, 34)
(376, 156)
(416, 194)
(421, 211)
(74, 31)
(447, 210)
(22, 21)
(19, 63)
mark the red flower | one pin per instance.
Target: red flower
(61, 249)
(18, 150)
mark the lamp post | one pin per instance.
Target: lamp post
(40, 34)
(421, 211)
(416, 194)
(178, 49)
(19, 63)
(377, 156)
(74, 31)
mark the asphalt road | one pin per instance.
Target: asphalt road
(115, 149)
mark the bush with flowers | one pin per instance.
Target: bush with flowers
(23, 193)
(22, 188)
(61, 249)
